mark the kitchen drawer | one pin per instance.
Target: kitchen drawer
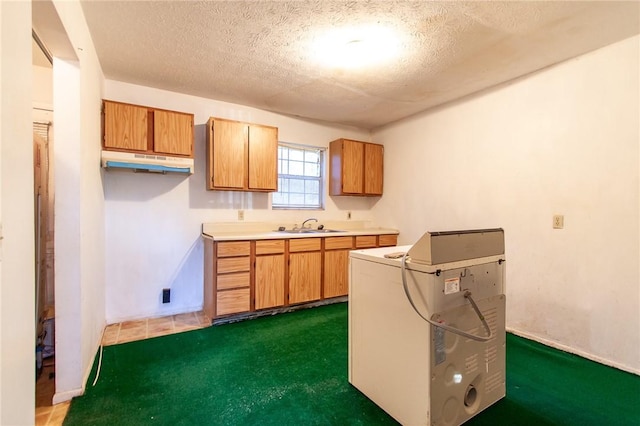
(233, 248)
(387, 240)
(332, 243)
(366, 241)
(304, 244)
(227, 281)
(269, 247)
(233, 264)
(232, 301)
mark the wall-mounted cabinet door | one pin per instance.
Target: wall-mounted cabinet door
(241, 156)
(263, 158)
(173, 133)
(373, 169)
(226, 146)
(352, 167)
(356, 168)
(125, 127)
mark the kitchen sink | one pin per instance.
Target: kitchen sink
(309, 231)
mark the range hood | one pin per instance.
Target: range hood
(149, 163)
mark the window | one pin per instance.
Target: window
(299, 177)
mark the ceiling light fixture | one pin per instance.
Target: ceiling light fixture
(357, 47)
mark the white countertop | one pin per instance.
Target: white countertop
(268, 231)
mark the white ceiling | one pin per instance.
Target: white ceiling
(258, 53)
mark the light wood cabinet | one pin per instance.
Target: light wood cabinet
(269, 274)
(247, 276)
(366, 241)
(125, 127)
(387, 240)
(230, 273)
(356, 168)
(241, 156)
(305, 270)
(336, 266)
(172, 133)
(135, 128)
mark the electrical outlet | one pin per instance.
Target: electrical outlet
(166, 295)
(349, 215)
(240, 214)
(558, 221)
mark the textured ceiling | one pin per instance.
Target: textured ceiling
(259, 53)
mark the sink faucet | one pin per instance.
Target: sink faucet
(310, 219)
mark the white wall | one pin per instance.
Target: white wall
(153, 221)
(17, 290)
(79, 205)
(561, 141)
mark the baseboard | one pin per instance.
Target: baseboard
(572, 350)
(59, 397)
(274, 311)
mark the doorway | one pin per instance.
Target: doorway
(43, 192)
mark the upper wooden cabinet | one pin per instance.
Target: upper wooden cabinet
(241, 156)
(137, 128)
(356, 168)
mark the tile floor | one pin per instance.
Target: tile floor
(128, 331)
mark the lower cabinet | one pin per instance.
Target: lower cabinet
(247, 276)
(336, 266)
(233, 281)
(305, 270)
(269, 273)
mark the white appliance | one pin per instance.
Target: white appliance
(150, 163)
(420, 373)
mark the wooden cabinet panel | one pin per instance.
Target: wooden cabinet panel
(336, 273)
(352, 167)
(263, 157)
(304, 244)
(246, 276)
(232, 301)
(234, 248)
(226, 148)
(269, 247)
(387, 240)
(241, 156)
(365, 241)
(305, 271)
(233, 264)
(355, 168)
(236, 280)
(373, 170)
(332, 243)
(125, 127)
(136, 128)
(269, 282)
(172, 133)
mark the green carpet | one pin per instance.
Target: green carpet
(291, 369)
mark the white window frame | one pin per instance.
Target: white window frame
(320, 179)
